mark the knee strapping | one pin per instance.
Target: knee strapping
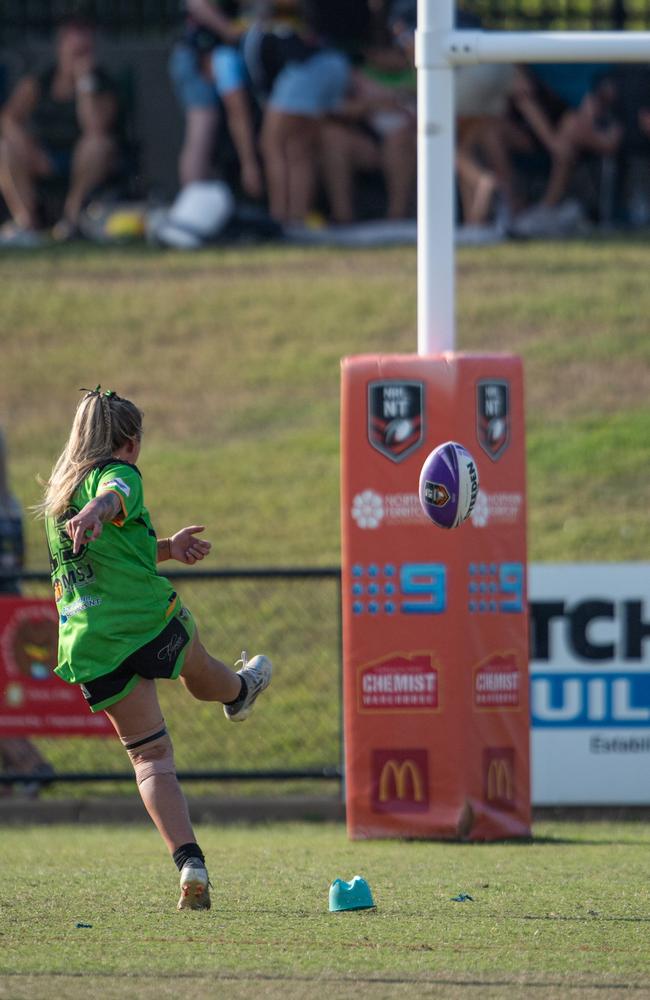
(151, 753)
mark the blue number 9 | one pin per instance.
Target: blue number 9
(430, 581)
(511, 582)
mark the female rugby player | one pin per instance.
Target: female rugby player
(121, 625)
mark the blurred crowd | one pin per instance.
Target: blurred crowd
(307, 110)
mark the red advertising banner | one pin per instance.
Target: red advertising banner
(33, 700)
(435, 642)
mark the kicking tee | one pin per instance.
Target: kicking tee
(109, 596)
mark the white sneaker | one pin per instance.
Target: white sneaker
(477, 236)
(13, 235)
(195, 886)
(564, 219)
(257, 674)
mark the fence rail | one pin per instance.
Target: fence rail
(294, 615)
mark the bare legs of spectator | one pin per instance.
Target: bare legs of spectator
(484, 168)
(577, 133)
(348, 150)
(492, 141)
(22, 163)
(289, 144)
(343, 152)
(477, 187)
(399, 160)
(240, 123)
(93, 159)
(198, 144)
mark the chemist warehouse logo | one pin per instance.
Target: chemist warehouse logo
(399, 683)
(498, 682)
(400, 781)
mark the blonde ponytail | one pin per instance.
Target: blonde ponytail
(102, 424)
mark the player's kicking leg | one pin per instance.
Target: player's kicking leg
(208, 679)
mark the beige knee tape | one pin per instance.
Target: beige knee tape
(150, 753)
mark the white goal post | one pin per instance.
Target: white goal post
(438, 49)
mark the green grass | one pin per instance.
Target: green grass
(566, 915)
(234, 355)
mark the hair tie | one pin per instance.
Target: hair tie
(107, 394)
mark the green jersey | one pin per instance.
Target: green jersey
(109, 596)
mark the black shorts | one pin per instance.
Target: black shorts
(162, 657)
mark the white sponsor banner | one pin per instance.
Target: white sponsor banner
(590, 683)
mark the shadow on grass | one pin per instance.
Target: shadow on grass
(613, 842)
(574, 982)
(588, 918)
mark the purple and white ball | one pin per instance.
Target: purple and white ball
(449, 485)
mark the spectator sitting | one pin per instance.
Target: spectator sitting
(563, 110)
(481, 98)
(300, 75)
(373, 129)
(59, 124)
(208, 73)
(17, 754)
(482, 161)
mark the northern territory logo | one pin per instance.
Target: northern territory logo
(395, 417)
(493, 416)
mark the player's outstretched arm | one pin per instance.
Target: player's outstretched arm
(184, 546)
(88, 524)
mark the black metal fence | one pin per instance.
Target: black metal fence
(291, 614)
(124, 17)
(147, 17)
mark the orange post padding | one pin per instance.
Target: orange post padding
(435, 643)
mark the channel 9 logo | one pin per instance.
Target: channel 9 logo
(400, 781)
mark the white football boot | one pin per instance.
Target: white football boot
(195, 886)
(257, 674)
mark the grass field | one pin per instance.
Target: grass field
(565, 916)
(234, 356)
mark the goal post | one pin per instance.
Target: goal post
(439, 48)
(435, 623)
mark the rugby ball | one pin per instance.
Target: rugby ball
(448, 485)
